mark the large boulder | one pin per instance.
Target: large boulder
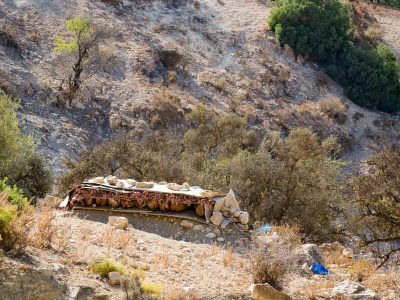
(350, 290)
(266, 292)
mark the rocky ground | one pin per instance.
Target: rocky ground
(196, 260)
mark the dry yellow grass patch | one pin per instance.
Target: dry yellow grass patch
(178, 294)
(314, 290)
(118, 239)
(361, 270)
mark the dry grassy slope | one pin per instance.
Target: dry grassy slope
(389, 19)
(230, 56)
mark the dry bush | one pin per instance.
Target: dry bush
(333, 254)
(229, 257)
(323, 80)
(170, 77)
(358, 116)
(178, 294)
(118, 239)
(167, 108)
(44, 229)
(61, 238)
(361, 270)
(164, 260)
(275, 257)
(8, 36)
(313, 291)
(220, 84)
(291, 233)
(196, 5)
(335, 109)
(373, 33)
(384, 282)
(14, 226)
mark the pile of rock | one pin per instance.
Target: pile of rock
(227, 210)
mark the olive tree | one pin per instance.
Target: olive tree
(375, 213)
(19, 162)
(81, 51)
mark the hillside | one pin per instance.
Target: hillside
(231, 62)
(233, 168)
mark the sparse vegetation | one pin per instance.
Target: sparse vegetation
(273, 260)
(377, 204)
(18, 161)
(105, 266)
(81, 49)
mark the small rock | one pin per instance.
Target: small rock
(112, 180)
(73, 292)
(144, 185)
(187, 224)
(99, 180)
(347, 253)
(225, 223)
(220, 239)
(216, 218)
(244, 217)
(217, 231)
(119, 184)
(267, 292)
(131, 181)
(211, 235)
(118, 222)
(174, 186)
(185, 187)
(198, 227)
(114, 278)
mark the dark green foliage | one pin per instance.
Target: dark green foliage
(393, 3)
(312, 27)
(370, 77)
(13, 194)
(321, 29)
(18, 161)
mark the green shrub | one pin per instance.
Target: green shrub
(7, 214)
(13, 194)
(371, 77)
(106, 266)
(317, 28)
(18, 160)
(15, 224)
(393, 3)
(321, 29)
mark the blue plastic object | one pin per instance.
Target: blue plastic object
(319, 269)
(265, 228)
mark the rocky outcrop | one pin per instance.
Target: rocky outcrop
(350, 290)
(18, 281)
